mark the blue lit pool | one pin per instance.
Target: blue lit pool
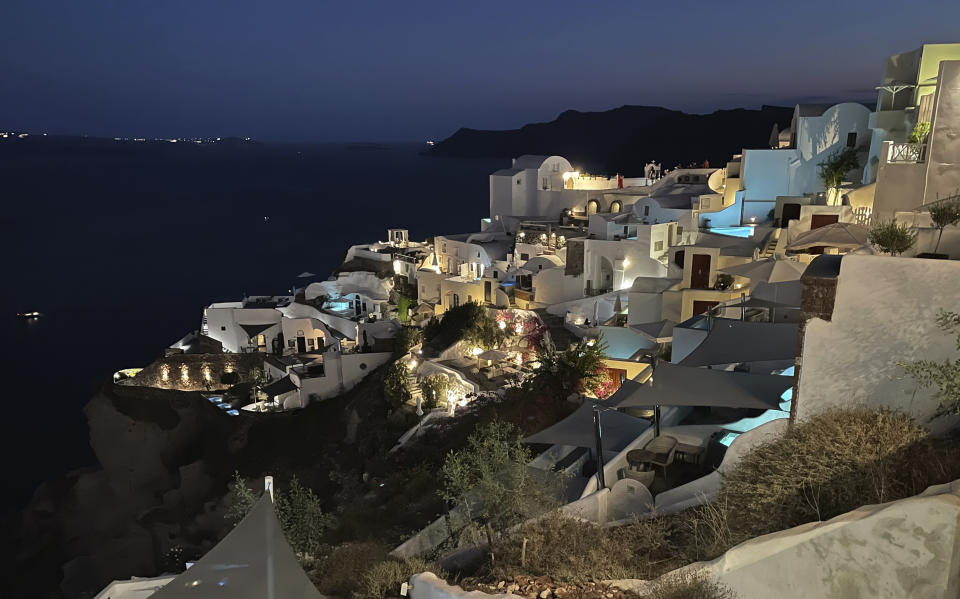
(733, 231)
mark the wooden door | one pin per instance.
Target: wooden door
(787, 213)
(700, 272)
(822, 220)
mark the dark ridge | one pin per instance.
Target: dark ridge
(623, 139)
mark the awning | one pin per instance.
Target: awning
(253, 330)
(253, 561)
(658, 332)
(279, 387)
(674, 385)
(734, 341)
(836, 235)
(493, 355)
(768, 270)
(618, 429)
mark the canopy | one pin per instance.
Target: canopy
(674, 385)
(254, 561)
(493, 355)
(734, 341)
(768, 270)
(836, 235)
(305, 274)
(255, 329)
(658, 332)
(786, 294)
(279, 387)
(618, 429)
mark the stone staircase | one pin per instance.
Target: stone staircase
(414, 387)
(771, 244)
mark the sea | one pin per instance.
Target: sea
(121, 244)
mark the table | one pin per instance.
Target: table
(658, 451)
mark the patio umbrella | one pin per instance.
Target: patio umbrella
(768, 270)
(493, 355)
(847, 236)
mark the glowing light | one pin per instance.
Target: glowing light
(396, 266)
(571, 175)
(738, 285)
(626, 262)
(206, 374)
(591, 342)
(518, 328)
(477, 351)
(413, 364)
(165, 373)
(502, 325)
(184, 373)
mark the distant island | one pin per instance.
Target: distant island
(622, 140)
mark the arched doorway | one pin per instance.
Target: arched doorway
(616, 206)
(593, 207)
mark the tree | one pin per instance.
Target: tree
(395, 384)
(491, 482)
(945, 213)
(835, 168)
(406, 338)
(403, 308)
(577, 369)
(298, 510)
(468, 322)
(945, 375)
(434, 389)
(891, 237)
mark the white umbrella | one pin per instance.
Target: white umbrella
(847, 236)
(768, 270)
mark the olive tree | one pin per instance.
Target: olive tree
(891, 238)
(944, 213)
(944, 375)
(834, 169)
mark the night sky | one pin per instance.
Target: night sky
(353, 70)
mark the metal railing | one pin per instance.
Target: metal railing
(907, 152)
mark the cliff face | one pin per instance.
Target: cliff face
(165, 458)
(624, 139)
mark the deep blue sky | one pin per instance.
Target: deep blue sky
(389, 70)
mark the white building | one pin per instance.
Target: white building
(817, 132)
(252, 324)
(470, 254)
(545, 186)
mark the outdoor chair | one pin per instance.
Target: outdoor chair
(644, 477)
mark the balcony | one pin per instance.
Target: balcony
(906, 152)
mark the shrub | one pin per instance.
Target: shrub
(571, 550)
(434, 389)
(945, 375)
(405, 339)
(689, 586)
(944, 214)
(919, 132)
(489, 480)
(580, 368)
(342, 573)
(469, 322)
(834, 169)
(396, 387)
(384, 578)
(830, 464)
(298, 509)
(891, 237)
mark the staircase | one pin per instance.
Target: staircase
(771, 244)
(414, 387)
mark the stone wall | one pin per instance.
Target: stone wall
(197, 372)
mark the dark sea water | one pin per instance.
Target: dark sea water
(121, 245)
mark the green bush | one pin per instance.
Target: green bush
(468, 322)
(891, 237)
(396, 387)
(434, 389)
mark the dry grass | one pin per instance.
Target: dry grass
(571, 550)
(689, 586)
(831, 464)
(384, 578)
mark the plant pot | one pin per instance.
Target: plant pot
(933, 256)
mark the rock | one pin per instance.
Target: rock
(500, 584)
(545, 593)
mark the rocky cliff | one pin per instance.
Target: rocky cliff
(622, 140)
(165, 458)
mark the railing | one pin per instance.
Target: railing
(907, 152)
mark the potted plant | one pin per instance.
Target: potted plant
(944, 213)
(891, 238)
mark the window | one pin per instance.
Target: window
(625, 231)
(524, 256)
(679, 230)
(456, 300)
(646, 210)
(518, 180)
(444, 247)
(494, 274)
(469, 298)
(291, 343)
(310, 342)
(658, 246)
(852, 139)
(223, 328)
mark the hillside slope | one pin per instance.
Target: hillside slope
(623, 139)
